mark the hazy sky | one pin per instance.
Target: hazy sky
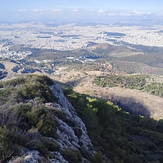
(11, 10)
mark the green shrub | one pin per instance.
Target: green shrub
(38, 145)
(72, 156)
(97, 158)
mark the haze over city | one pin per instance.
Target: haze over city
(104, 11)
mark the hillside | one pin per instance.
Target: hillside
(127, 90)
(38, 122)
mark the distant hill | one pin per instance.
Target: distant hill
(112, 50)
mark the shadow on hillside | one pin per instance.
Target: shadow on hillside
(128, 104)
(132, 106)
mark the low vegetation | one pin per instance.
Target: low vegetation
(140, 82)
(120, 136)
(117, 136)
(24, 120)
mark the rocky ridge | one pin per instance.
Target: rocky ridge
(71, 133)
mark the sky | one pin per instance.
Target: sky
(51, 10)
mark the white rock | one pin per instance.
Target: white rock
(66, 132)
(58, 158)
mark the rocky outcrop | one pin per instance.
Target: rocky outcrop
(67, 133)
(29, 157)
(71, 134)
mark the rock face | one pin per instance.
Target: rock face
(65, 131)
(29, 157)
(71, 134)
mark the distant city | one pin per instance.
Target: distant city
(31, 47)
(72, 36)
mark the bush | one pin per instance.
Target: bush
(38, 145)
(71, 156)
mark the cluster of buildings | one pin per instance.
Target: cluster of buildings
(71, 36)
(6, 53)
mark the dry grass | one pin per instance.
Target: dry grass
(82, 83)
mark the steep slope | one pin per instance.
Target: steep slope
(39, 124)
(116, 134)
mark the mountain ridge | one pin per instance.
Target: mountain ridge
(54, 119)
(42, 122)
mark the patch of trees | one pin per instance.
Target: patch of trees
(16, 68)
(118, 135)
(30, 70)
(3, 74)
(128, 66)
(140, 82)
(132, 82)
(154, 88)
(2, 66)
